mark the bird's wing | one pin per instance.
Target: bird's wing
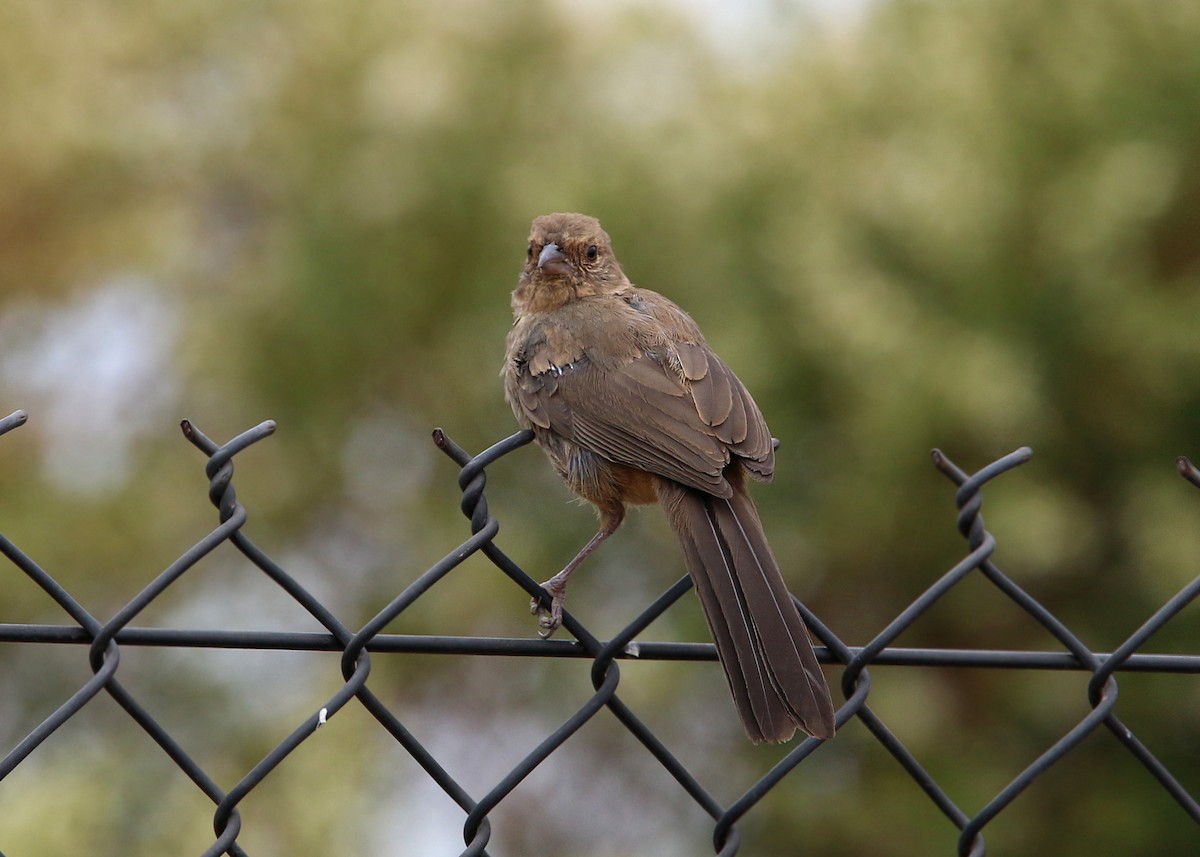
(677, 411)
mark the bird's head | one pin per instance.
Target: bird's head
(569, 256)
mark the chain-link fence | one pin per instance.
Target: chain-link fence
(104, 639)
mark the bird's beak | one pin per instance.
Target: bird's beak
(551, 259)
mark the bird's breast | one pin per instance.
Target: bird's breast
(585, 328)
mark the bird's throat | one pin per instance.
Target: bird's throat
(542, 296)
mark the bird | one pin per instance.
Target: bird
(632, 407)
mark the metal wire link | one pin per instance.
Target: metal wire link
(104, 640)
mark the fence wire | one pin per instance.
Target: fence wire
(104, 640)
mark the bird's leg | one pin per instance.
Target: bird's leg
(549, 620)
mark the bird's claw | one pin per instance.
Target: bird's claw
(549, 620)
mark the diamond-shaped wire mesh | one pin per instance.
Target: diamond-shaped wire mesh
(103, 640)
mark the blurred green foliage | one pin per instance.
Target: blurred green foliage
(905, 224)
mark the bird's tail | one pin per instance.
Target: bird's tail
(761, 639)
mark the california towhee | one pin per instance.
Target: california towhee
(632, 406)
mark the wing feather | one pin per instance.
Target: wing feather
(644, 415)
(662, 403)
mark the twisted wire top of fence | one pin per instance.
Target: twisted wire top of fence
(104, 640)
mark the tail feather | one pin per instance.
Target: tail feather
(761, 640)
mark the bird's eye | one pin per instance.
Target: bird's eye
(529, 252)
(591, 251)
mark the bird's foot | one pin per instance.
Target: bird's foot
(550, 619)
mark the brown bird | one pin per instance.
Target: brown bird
(632, 406)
